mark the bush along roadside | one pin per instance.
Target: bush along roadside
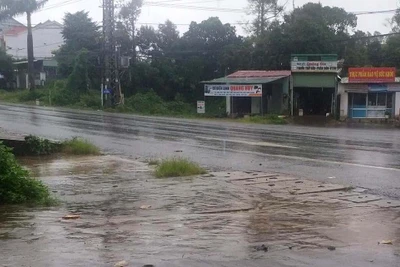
(178, 167)
(36, 146)
(16, 186)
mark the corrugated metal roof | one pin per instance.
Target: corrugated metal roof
(256, 80)
(252, 77)
(260, 73)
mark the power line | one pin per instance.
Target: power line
(373, 12)
(64, 3)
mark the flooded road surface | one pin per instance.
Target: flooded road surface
(362, 157)
(219, 219)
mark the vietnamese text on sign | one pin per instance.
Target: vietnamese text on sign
(372, 75)
(233, 90)
(317, 66)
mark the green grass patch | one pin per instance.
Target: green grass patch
(78, 146)
(16, 185)
(178, 167)
(268, 119)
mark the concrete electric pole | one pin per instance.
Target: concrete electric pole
(110, 55)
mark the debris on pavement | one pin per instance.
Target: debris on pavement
(331, 248)
(121, 264)
(145, 207)
(71, 217)
(386, 242)
(262, 248)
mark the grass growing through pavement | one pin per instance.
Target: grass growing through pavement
(77, 146)
(178, 167)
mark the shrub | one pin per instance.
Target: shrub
(147, 103)
(27, 95)
(16, 187)
(178, 167)
(38, 146)
(77, 146)
(91, 100)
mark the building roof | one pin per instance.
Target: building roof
(259, 73)
(11, 26)
(251, 77)
(49, 24)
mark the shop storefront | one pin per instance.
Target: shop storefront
(314, 84)
(370, 93)
(252, 92)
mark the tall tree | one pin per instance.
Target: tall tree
(128, 16)
(168, 35)
(147, 40)
(79, 32)
(28, 7)
(264, 10)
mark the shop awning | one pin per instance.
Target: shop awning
(251, 77)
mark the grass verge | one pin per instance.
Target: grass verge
(78, 146)
(178, 167)
(268, 119)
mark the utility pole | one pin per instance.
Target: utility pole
(294, 4)
(111, 58)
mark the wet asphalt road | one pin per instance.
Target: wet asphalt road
(360, 157)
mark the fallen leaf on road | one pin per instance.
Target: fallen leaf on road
(121, 264)
(71, 217)
(178, 151)
(145, 207)
(387, 242)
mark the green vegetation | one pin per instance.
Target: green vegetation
(77, 146)
(268, 119)
(16, 187)
(178, 167)
(39, 146)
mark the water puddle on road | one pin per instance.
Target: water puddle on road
(127, 214)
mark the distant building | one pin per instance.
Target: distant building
(47, 38)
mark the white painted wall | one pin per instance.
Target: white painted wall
(44, 42)
(344, 101)
(344, 105)
(397, 104)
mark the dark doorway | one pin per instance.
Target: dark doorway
(314, 101)
(241, 105)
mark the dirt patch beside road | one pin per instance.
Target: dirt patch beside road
(125, 214)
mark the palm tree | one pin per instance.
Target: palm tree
(10, 8)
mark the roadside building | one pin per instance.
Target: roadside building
(252, 92)
(45, 69)
(314, 84)
(370, 93)
(47, 37)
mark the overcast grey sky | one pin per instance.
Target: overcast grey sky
(55, 10)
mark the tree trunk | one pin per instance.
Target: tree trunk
(262, 19)
(133, 42)
(31, 65)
